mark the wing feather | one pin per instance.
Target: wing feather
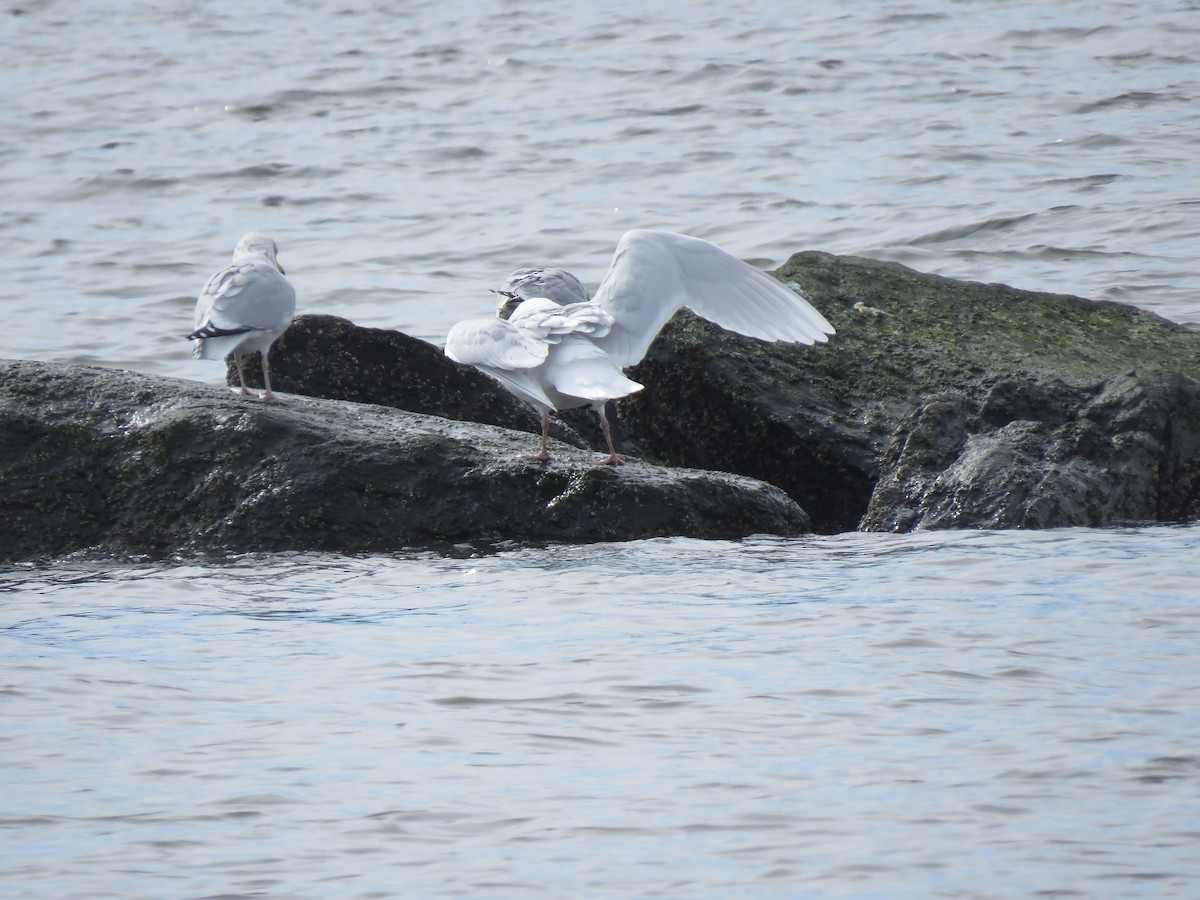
(655, 273)
(246, 296)
(495, 343)
(551, 321)
(578, 368)
(511, 355)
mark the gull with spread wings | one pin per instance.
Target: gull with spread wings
(556, 348)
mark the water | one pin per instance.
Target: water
(990, 714)
(958, 714)
(407, 157)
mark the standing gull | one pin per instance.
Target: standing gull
(555, 348)
(245, 307)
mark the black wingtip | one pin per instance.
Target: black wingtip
(211, 331)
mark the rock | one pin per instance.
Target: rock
(1119, 453)
(331, 357)
(939, 403)
(108, 461)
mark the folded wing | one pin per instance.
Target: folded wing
(578, 368)
(495, 343)
(510, 354)
(250, 296)
(552, 322)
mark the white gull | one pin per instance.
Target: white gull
(245, 307)
(555, 348)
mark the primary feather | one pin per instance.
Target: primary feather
(655, 273)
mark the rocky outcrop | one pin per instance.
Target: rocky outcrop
(331, 357)
(1043, 454)
(108, 461)
(939, 403)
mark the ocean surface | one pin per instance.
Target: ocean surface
(942, 714)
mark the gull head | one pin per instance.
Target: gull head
(258, 244)
(508, 303)
(556, 284)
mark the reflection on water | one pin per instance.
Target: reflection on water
(966, 714)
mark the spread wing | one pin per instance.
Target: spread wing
(654, 273)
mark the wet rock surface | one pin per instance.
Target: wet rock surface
(331, 357)
(106, 461)
(939, 403)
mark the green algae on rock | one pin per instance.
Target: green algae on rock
(939, 403)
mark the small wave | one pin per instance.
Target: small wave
(468, 151)
(270, 170)
(1136, 99)
(710, 71)
(358, 198)
(686, 110)
(944, 235)
(121, 181)
(442, 52)
(1084, 181)
(790, 203)
(1163, 769)
(1050, 251)
(303, 98)
(1097, 141)
(1144, 56)
(1057, 34)
(921, 18)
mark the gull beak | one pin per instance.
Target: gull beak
(279, 266)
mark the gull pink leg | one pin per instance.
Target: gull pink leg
(544, 454)
(267, 395)
(613, 459)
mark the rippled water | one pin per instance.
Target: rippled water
(958, 715)
(991, 714)
(407, 156)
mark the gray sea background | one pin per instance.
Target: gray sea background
(940, 714)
